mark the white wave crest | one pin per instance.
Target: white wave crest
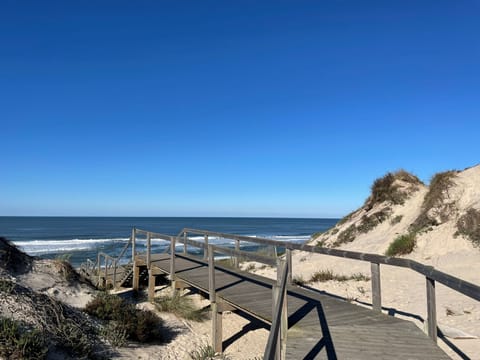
(53, 246)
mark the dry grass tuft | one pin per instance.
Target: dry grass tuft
(329, 275)
(369, 222)
(346, 236)
(181, 306)
(469, 225)
(387, 189)
(435, 200)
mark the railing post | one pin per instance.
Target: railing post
(205, 252)
(114, 273)
(281, 343)
(106, 274)
(172, 262)
(236, 260)
(431, 309)
(98, 268)
(136, 276)
(376, 287)
(288, 255)
(185, 242)
(149, 250)
(133, 243)
(217, 330)
(211, 273)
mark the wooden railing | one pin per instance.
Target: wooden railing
(284, 273)
(277, 340)
(108, 262)
(431, 274)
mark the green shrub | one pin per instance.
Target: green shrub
(115, 334)
(206, 352)
(180, 306)
(106, 307)
(139, 325)
(19, 342)
(359, 277)
(396, 220)
(328, 275)
(299, 280)
(320, 243)
(250, 267)
(368, 223)
(402, 245)
(469, 225)
(346, 236)
(148, 327)
(73, 339)
(7, 286)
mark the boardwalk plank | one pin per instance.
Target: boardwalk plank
(320, 326)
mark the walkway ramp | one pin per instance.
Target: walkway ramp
(304, 324)
(319, 326)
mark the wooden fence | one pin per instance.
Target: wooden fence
(284, 273)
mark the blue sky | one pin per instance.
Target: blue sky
(230, 108)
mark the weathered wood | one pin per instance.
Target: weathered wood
(105, 270)
(245, 254)
(98, 269)
(151, 285)
(464, 287)
(184, 242)
(431, 309)
(276, 344)
(114, 274)
(223, 306)
(149, 249)
(282, 278)
(205, 254)
(315, 318)
(211, 273)
(236, 260)
(288, 256)
(172, 263)
(217, 328)
(136, 277)
(134, 240)
(376, 287)
(181, 285)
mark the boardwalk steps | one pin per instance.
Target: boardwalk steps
(310, 324)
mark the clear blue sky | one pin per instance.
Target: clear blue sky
(230, 108)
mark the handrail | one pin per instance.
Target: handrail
(466, 288)
(431, 274)
(227, 251)
(273, 338)
(114, 262)
(245, 254)
(462, 286)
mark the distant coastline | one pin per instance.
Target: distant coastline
(81, 237)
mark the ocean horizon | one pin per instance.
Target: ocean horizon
(82, 237)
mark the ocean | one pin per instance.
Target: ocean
(80, 238)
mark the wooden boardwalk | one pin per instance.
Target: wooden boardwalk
(319, 326)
